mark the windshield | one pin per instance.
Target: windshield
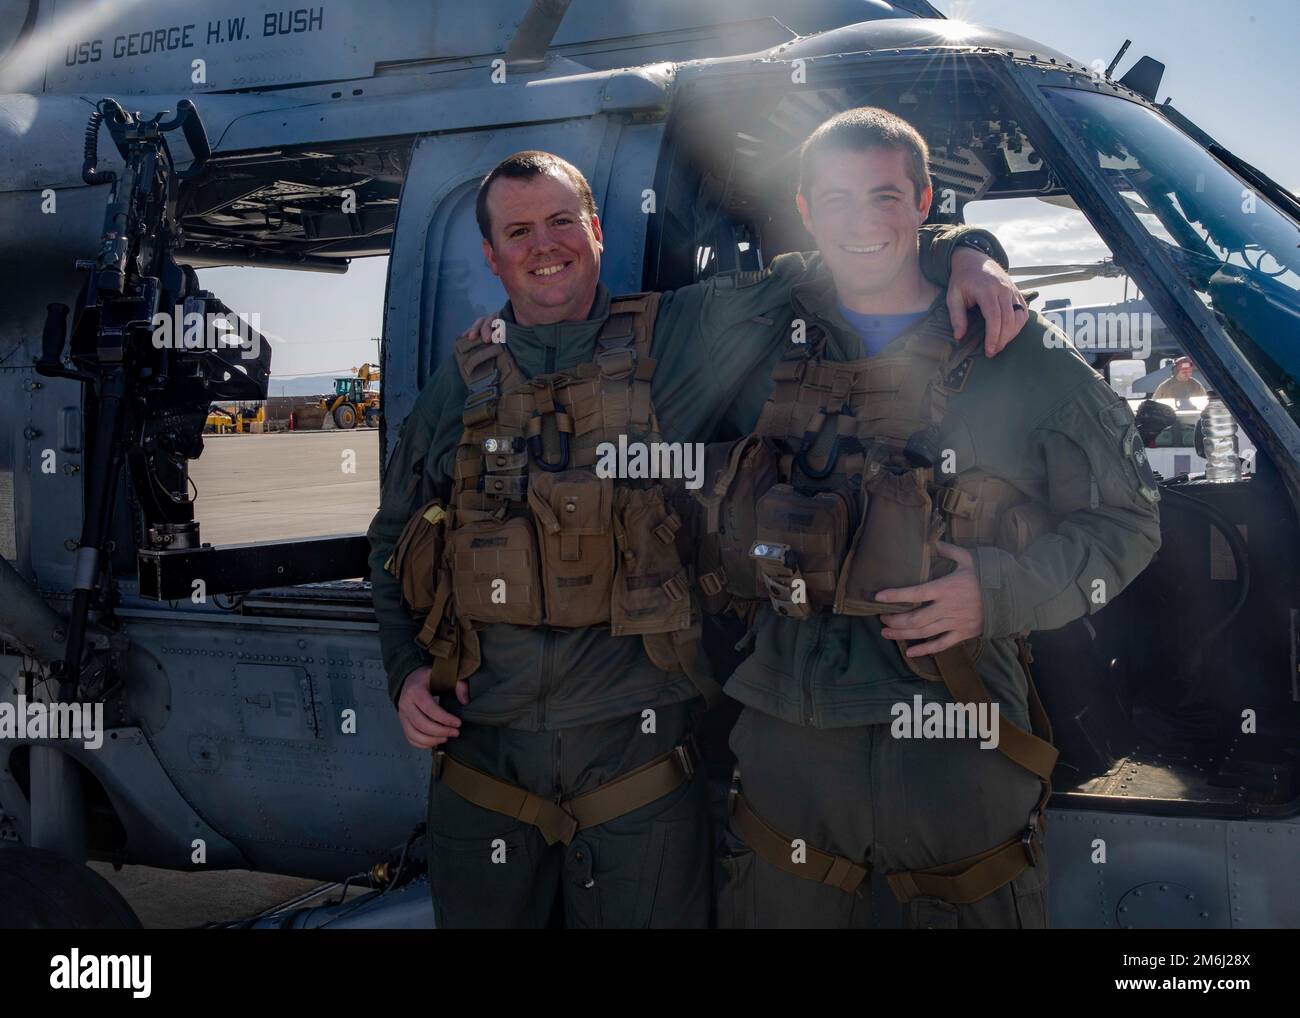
(1240, 253)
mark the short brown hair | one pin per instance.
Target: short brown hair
(525, 166)
(862, 128)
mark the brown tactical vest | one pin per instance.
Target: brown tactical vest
(533, 535)
(833, 496)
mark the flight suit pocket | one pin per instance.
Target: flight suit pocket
(481, 882)
(573, 514)
(931, 914)
(894, 545)
(674, 888)
(800, 537)
(1029, 891)
(652, 592)
(494, 569)
(736, 887)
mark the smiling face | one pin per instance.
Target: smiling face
(863, 211)
(544, 248)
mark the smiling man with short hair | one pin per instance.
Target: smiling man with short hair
(877, 435)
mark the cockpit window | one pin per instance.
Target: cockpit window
(1240, 253)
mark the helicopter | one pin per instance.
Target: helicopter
(250, 728)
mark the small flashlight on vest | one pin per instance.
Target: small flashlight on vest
(491, 445)
(776, 554)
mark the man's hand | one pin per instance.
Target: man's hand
(424, 723)
(483, 326)
(978, 279)
(955, 611)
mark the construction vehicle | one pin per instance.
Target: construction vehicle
(224, 419)
(354, 399)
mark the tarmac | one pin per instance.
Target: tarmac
(270, 487)
(286, 485)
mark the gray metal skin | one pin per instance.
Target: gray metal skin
(226, 738)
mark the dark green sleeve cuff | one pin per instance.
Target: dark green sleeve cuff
(400, 664)
(938, 243)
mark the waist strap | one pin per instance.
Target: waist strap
(770, 844)
(560, 821)
(968, 880)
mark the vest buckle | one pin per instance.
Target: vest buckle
(616, 364)
(1029, 839)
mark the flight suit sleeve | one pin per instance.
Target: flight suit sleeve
(1103, 499)
(938, 243)
(419, 471)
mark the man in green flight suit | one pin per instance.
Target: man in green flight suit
(889, 726)
(563, 780)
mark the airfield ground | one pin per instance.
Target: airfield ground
(259, 488)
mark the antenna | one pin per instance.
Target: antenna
(1119, 56)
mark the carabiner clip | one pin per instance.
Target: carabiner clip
(810, 439)
(538, 453)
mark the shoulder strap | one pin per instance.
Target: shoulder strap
(488, 370)
(631, 320)
(623, 354)
(951, 361)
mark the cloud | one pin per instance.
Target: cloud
(1045, 237)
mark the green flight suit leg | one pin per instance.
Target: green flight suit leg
(895, 804)
(647, 868)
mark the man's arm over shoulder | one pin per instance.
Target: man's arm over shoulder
(731, 311)
(418, 472)
(725, 334)
(939, 242)
(1104, 501)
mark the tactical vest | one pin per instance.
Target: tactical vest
(834, 494)
(534, 535)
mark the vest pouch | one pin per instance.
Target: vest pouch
(894, 545)
(736, 475)
(494, 569)
(417, 556)
(801, 537)
(573, 513)
(652, 591)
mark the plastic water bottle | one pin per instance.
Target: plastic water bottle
(1219, 432)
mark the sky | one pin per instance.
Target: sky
(1234, 68)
